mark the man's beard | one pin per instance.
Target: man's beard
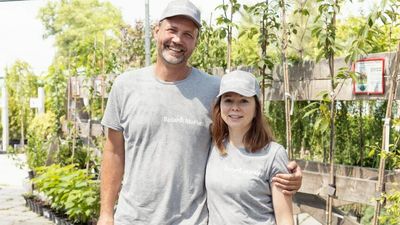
(171, 59)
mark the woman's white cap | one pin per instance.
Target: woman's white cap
(240, 82)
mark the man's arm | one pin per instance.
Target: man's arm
(112, 170)
(289, 183)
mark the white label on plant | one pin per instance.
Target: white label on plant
(34, 103)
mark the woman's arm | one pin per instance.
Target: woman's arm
(282, 206)
(289, 183)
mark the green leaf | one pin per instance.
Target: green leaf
(310, 112)
(317, 124)
(371, 153)
(324, 125)
(383, 19)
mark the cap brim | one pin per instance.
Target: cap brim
(238, 91)
(184, 15)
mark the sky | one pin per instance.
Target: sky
(21, 32)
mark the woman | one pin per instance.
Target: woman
(244, 159)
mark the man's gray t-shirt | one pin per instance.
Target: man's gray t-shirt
(239, 184)
(166, 131)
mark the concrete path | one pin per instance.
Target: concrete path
(12, 204)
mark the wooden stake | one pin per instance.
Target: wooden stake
(386, 135)
(288, 97)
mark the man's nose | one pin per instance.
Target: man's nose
(176, 38)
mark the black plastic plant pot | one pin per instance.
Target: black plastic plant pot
(46, 212)
(65, 221)
(92, 222)
(31, 174)
(30, 204)
(62, 220)
(39, 208)
(26, 198)
(34, 206)
(58, 220)
(52, 216)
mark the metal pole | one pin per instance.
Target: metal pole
(147, 33)
(4, 117)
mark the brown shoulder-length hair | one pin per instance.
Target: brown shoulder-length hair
(258, 135)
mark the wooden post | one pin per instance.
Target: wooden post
(360, 122)
(103, 73)
(288, 97)
(74, 125)
(69, 89)
(386, 134)
(229, 55)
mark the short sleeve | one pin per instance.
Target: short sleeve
(279, 164)
(112, 113)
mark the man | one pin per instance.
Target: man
(158, 133)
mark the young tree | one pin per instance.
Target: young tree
(21, 85)
(211, 49)
(326, 34)
(85, 33)
(131, 53)
(227, 23)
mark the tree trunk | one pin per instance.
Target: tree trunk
(229, 47)
(331, 188)
(264, 45)
(22, 140)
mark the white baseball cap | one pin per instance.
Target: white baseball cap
(182, 8)
(240, 82)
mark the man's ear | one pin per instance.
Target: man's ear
(197, 37)
(155, 31)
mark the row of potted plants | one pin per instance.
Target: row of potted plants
(43, 209)
(65, 194)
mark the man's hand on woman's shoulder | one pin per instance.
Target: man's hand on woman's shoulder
(289, 183)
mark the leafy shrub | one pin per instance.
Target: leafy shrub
(70, 190)
(391, 210)
(391, 213)
(40, 132)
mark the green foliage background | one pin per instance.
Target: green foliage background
(91, 40)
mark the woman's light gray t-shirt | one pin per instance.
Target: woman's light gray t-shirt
(166, 131)
(238, 184)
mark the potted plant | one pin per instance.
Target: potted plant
(72, 192)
